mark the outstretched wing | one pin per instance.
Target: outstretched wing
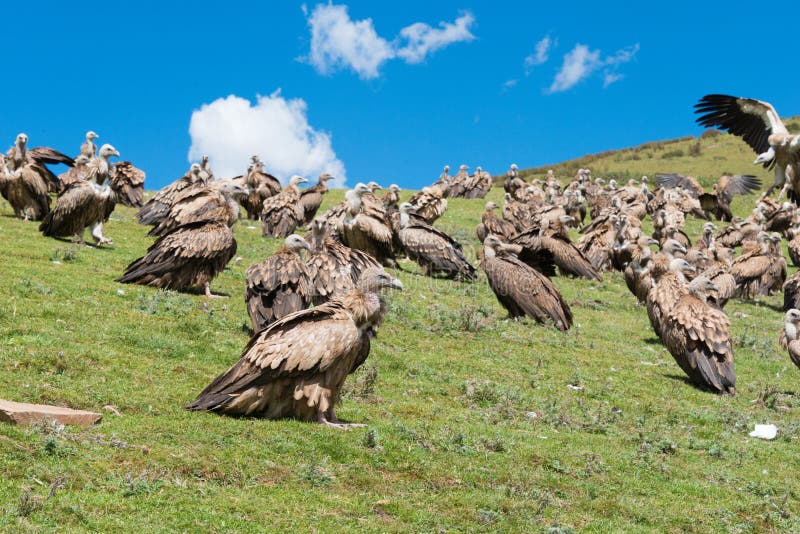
(752, 120)
(740, 184)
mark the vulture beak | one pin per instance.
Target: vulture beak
(306, 245)
(397, 284)
(303, 180)
(651, 241)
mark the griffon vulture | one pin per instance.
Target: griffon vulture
(88, 148)
(760, 126)
(279, 285)
(282, 214)
(25, 190)
(74, 174)
(391, 199)
(311, 198)
(429, 203)
(492, 224)
(718, 201)
(127, 182)
(36, 160)
(669, 284)
(544, 252)
(791, 335)
(83, 204)
(157, 208)
(365, 228)
(297, 366)
(262, 185)
(216, 202)
(521, 289)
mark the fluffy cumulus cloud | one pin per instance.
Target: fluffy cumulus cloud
(540, 55)
(339, 42)
(582, 62)
(232, 129)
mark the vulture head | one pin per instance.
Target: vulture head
(791, 322)
(91, 136)
(319, 228)
(490, 206)
(709, 228)
(296, 243)
(375, 278)
(255, 158)
(81, 160)
(324, 177)
(295, 180)
(232, 189)
(107, 151)
(670, 247)
(765, 157)
(194, 171)
(463, 168)
(373, 186)
(394, 188)
(447, 168)
(701, 287)
(681, 266)
(361, 189)
(406, 208)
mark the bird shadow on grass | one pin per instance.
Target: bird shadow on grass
(653, 341)
(685, 380)
(761, 304)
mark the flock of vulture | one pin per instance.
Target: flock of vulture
(315, 304)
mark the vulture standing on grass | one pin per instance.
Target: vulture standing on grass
(364, 226)
(189, 257)
(83, 204)
(298, 365)
(478, 184)
(718, 202)
(282, 214)
(791, 335)
(492, 224)
(157, 208)
(698, 335)
(127, 181)
(545, 251)
(311, 198)
(279, 285)
(668, 285)
(521, 289)
(334, 268)
(216, 202)
(432, 249)
(88, 148)
(791, 292)
(25, 190)
(762, 270)
(760, 126)
(35, 160)
(429, 203)
(262, 185)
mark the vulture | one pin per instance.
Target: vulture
(25, 190)
(492, 224)
(190, 256)
(206, 174)
(457, 184)
(297, 366)
(545, 251)
(597, 245)
(216, 202)
(262, 185)
(521, 289)
(792, 335)
(669, 281)
(100, 168)
(429, 203)
(364, 226)
(431, 248)
(391, 199)
(334, 268)
(88, 148)
(82, 204)
(282, 214)
(794, 248)
(478, 184)
(279, 285)
(760, 126)
(311, 198)
(127, 182)
(75, 173)
(761, 270)
(791, 292)
(36, 160)
(698, 335)
(513, 182)
(718, 202)
(157, 208)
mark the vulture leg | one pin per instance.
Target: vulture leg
(211, 295)
(97, 234)
(335, 420)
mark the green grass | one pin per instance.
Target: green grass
(447, 395)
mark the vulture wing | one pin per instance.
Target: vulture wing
(276, 287)
(42, 154)
(68, 217)
(740, 184)
(752, 120)
(672, 180)
(128, 183)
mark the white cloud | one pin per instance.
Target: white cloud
(540, 55)
(422, 39)
(581, 62)
(232, 129)
(338, 42)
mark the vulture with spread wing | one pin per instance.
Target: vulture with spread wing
(36, 160)
(718, 201)
(279, 285)
(83, 204)
(25, 190)
(698, 335)
(297, 366)
(521, 289)
(545, 251)
(283, 213)
(760, 126)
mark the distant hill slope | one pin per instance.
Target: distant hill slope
(705, 157)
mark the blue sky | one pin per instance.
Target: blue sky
(396, 107)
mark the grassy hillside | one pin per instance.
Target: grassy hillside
(706, 157)
(473, 422)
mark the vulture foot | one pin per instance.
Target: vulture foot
(211, 295)
(334, 422)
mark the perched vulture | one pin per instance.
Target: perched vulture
(391, 199)
(157, 208)
(760, 126)
(492, 224)
(311, 198)
(190, 256)
(429, 203)
(25, 190)
(431, 248)
(791, 335)
(297, 366)
(279, 285)
(364, 226)
(545, 252)
(127, 182)
(698, 335)
(334, 268)
(262, 185)
(88, 148)
(75, 173)
(36, 160)
(282, 214)
(718, 202)
(216, 202)
(83, 204)
(521, 289)
(791, 292)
